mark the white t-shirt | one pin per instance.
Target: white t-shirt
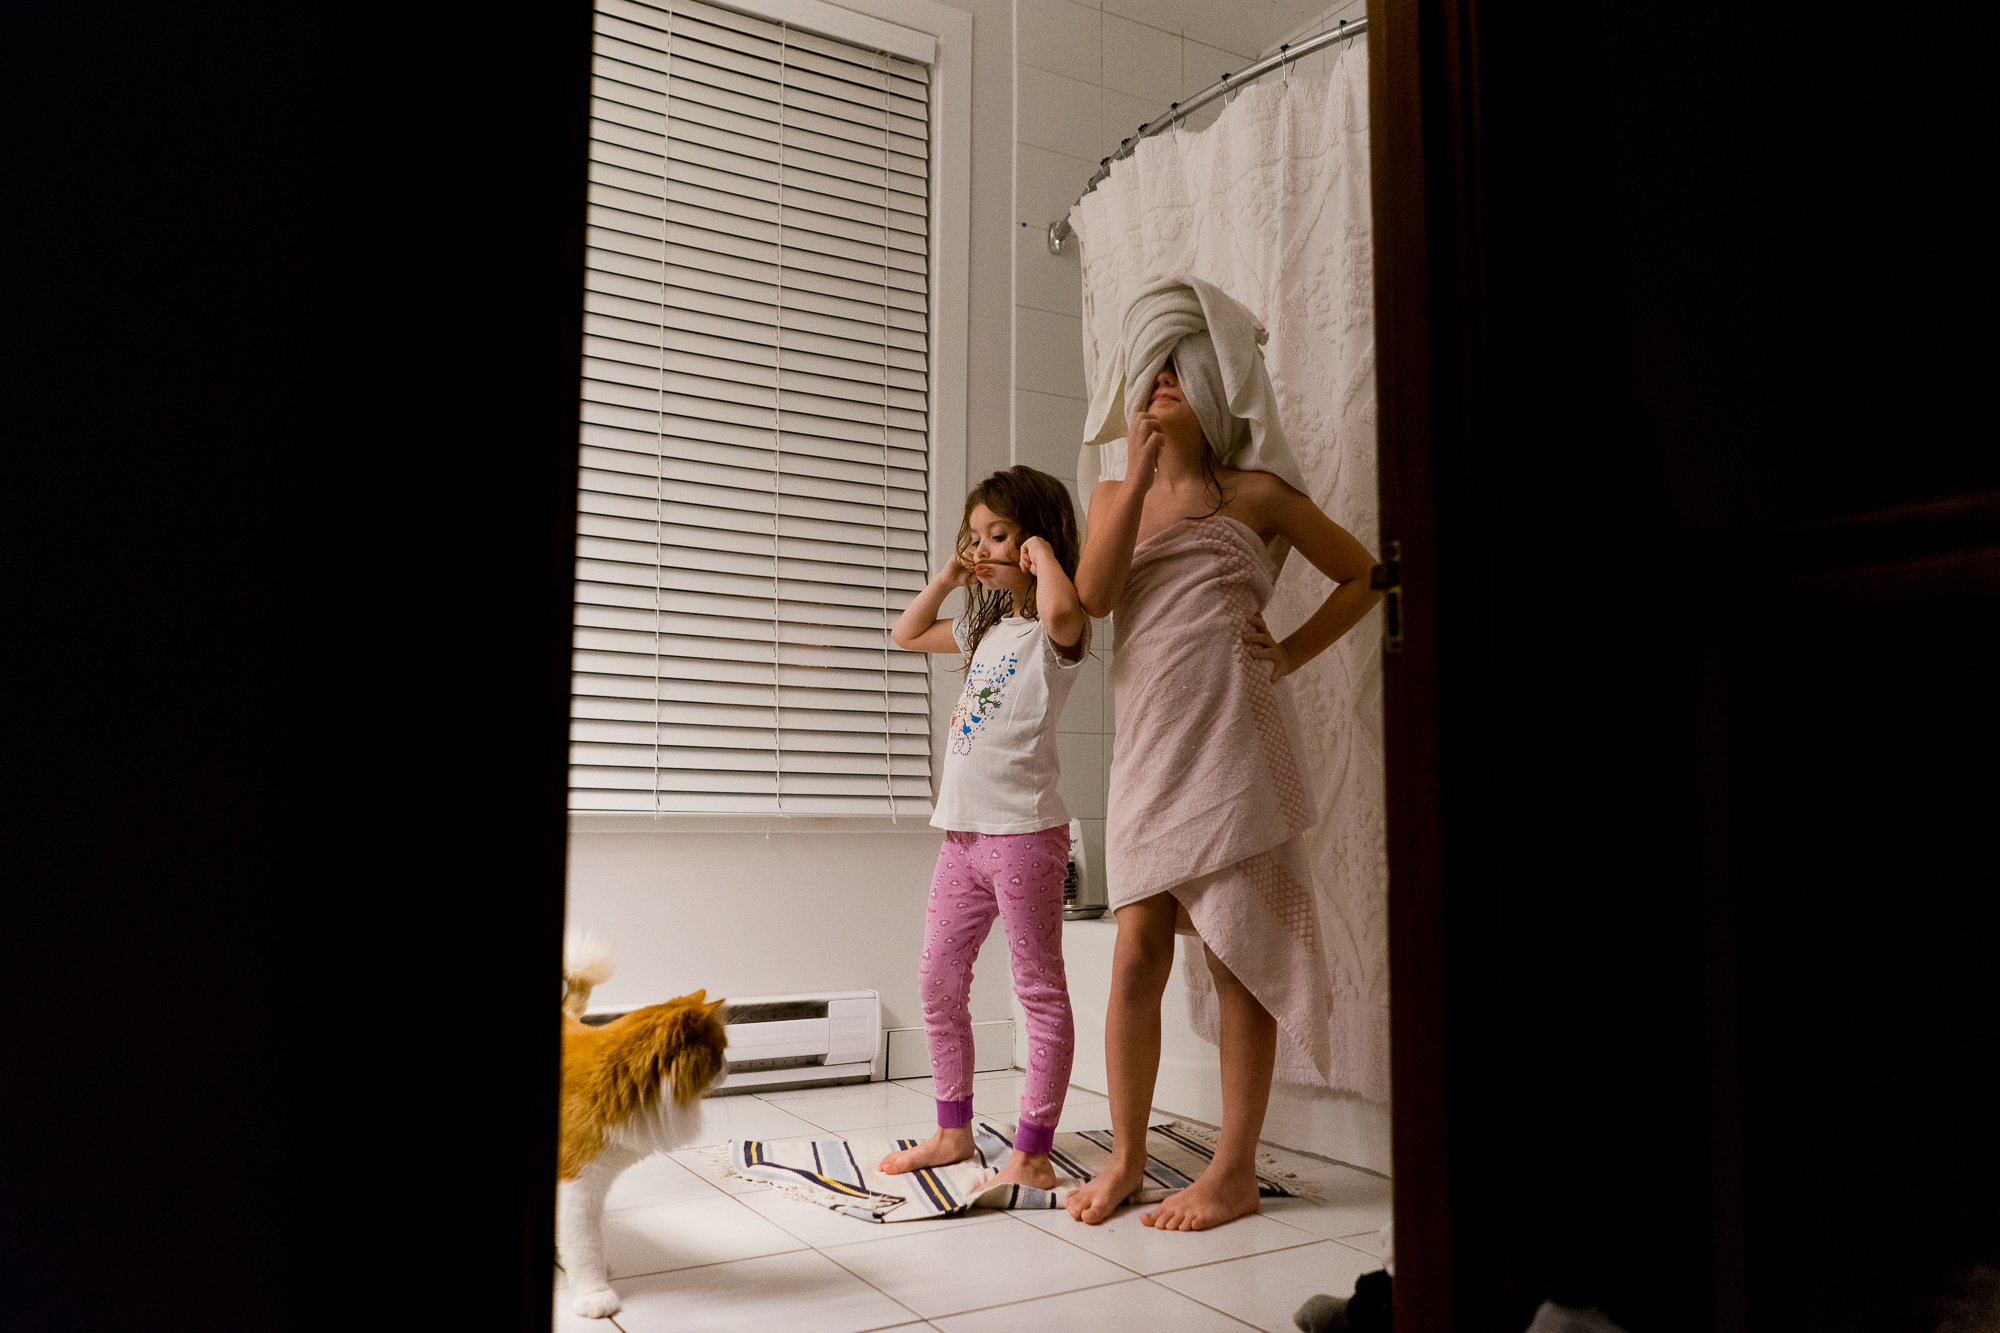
(1000, 765)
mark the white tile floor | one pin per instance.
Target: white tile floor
(694, 1251)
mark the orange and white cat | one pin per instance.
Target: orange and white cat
(630, 1088)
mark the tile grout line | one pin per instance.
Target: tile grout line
(1282, 1249)
(1297, 1227)
(1207, 1263)
(1049, 1296)
(870, 1285)
(1086, 163)
(803, 1247)
(717, 1263)
(1205, 1305)
(1074, 1245)
(1044, 310)
(1366, 1254)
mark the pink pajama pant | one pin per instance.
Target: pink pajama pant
(1018, 877)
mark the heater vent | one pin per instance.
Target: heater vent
(774, 1011)
(780, 1041)
(786, 1062)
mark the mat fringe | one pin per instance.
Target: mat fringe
(721, 1156)
(839, 1203)
(1267, 1166)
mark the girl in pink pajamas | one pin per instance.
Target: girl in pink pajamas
(1006, 842)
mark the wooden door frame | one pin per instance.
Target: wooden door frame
(1431, 231)
(1423, 154)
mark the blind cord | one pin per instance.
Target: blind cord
(778, 446)
(660, 416)
(888, 717)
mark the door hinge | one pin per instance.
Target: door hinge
(1387, 579)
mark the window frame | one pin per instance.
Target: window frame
(858, 21)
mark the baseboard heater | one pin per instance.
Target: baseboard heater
(781, 1041)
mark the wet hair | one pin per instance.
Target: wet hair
(1039, 506)
(1210, 479)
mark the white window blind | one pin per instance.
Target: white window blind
(755, 429)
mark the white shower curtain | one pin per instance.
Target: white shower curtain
(1270, 203)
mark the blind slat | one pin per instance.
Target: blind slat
(693, 803)
(753, 729)
(740, 488)
(807, 290)
(615, 449)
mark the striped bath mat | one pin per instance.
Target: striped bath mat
(841, 1175)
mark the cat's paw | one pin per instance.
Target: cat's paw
(597, 1304)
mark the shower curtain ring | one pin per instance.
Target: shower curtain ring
(1284, 60)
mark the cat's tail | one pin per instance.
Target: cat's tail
(586, 965)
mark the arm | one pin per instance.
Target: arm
(1056, 603)
(1335, 553)
(919, 630)
(1113, 530)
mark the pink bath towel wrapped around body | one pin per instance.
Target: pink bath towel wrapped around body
(1208, 797)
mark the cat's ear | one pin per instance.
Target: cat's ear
(715, 1006)
(697, 997)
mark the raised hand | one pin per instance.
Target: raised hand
(1034, 552)
(959, 571)
(1261, 645)
(1143, 442)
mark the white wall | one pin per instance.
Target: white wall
(1320, 63)
(806, 909)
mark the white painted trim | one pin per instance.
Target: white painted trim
(951, 241)
(611, 821)
(857, 25)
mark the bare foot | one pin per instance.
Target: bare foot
(1021, 1169)
(1214, 1198)
(940, 1149)
(1100, 1196)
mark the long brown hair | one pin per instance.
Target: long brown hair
(1210, 460)
(1039, 506)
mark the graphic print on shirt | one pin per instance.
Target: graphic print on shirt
(985, 689)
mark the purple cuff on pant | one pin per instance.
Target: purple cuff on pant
(954, 1115)
(1034, 1139)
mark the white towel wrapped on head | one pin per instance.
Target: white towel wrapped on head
(1213, 340)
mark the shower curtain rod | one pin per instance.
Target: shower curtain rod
(1060, 231)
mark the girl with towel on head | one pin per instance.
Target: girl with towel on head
(1200, 503)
